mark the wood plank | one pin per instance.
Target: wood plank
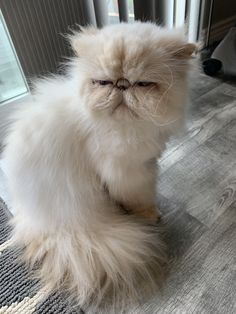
(216, 107)
(205, 180)
(201, 84)
(198, 131)
(180, 228)
(203, 280)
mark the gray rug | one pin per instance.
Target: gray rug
(19, 294)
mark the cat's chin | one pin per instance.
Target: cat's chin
(122, 110)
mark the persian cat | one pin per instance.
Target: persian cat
(81, 160)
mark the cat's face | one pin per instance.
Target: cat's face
(133, 71)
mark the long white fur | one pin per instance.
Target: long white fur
(70, 160)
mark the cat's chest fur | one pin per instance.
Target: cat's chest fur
(122, 156)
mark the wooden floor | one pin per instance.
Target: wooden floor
(197, 196)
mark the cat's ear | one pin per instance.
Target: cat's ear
(79, 40)
(184, 51)
(178, 48)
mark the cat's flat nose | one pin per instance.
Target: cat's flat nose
(123, 84)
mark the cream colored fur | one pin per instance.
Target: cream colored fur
(79, 151)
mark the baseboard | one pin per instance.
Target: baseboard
(220, 29)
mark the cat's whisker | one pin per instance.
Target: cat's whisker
(168, 88)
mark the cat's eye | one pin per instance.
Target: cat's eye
(102, 82)
(144, 84)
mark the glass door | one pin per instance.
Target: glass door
(12, 80)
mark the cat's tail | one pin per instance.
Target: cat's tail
(116, 259)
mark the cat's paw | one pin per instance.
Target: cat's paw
(150, 213)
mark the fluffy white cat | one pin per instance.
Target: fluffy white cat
(81, 160)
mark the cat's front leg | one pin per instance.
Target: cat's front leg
(133, 187)
(137, 198)
(141, 198)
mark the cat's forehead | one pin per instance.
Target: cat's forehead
(124, 56)
(132, 51)
(119, 55)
